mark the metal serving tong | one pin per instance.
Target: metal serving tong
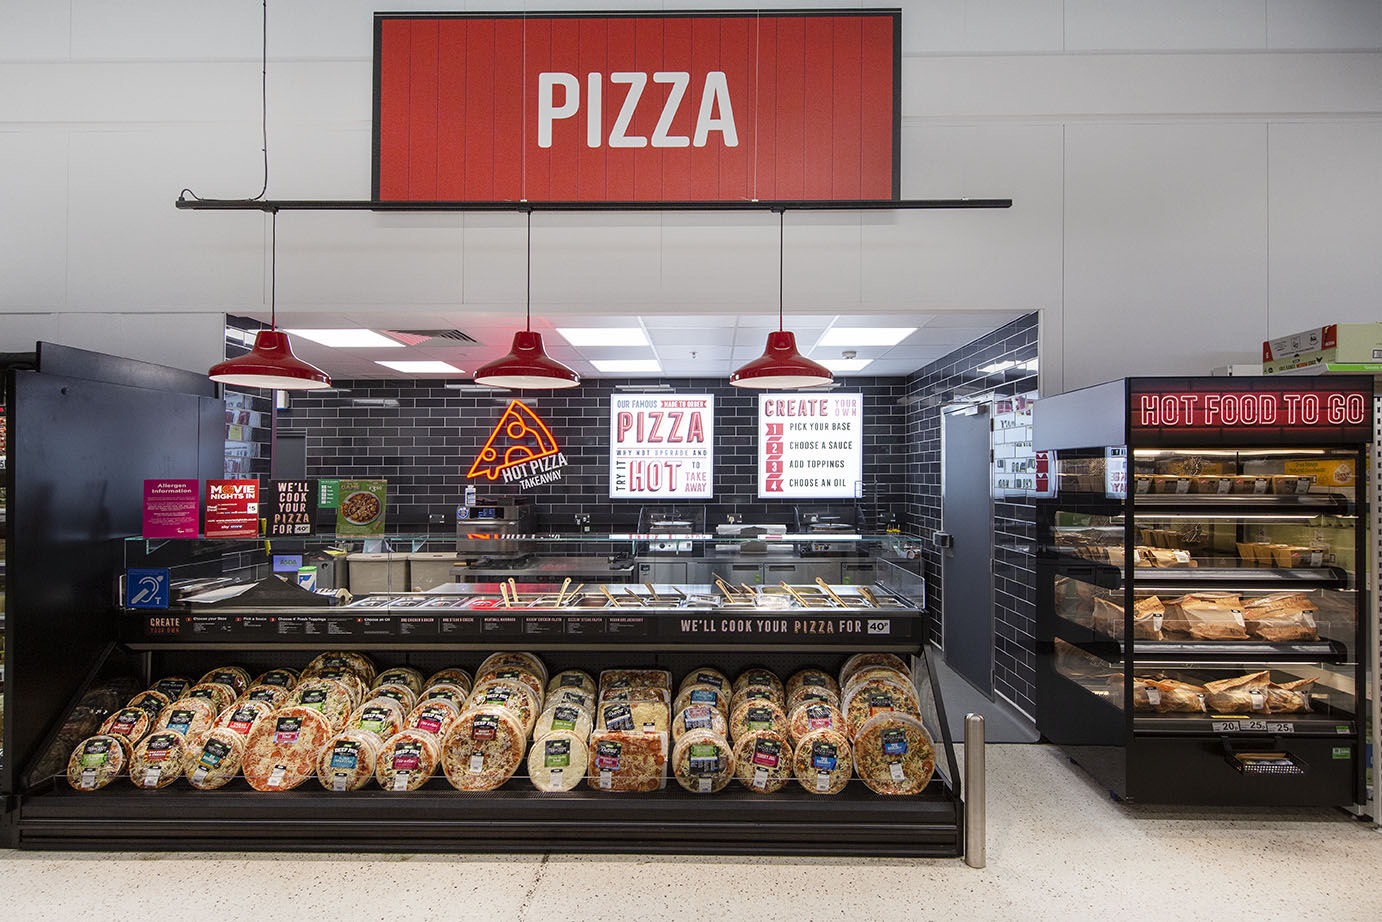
(825, 587)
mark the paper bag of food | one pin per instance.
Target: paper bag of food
(1289, 697)
(1282, 617)
(1206, 616)
(1245, 694)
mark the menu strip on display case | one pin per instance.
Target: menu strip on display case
(709, 627)
(810, 445)
(662, 446)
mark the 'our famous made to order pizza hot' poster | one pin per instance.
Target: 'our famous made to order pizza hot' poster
(661, 445)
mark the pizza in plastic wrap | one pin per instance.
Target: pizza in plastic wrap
(511, 659)
(633, 716)
(221, 696)
(347, 761)
(809, 693)
(759, 675)
(707, 675)
(281, 751)
(97, 761)
(812, 677)
(172, 687)
(150, 702)
(381, 716)
(823, 761)
(703, 762)
(863, 660)
(158, 759)
(328, 696)
(702, 693)
(893, 754)
(188, 716)
(557, 762)
(457, 694)
(407, 760)
(514, 676)
(400, 675)
(214, 758)
(234, 676)
(699, 717)
(131, 723)
(622, 761)
(574, 679)
(563, 718)
(281, 677)
(399, 692)
(352, 682)
(514, 696)
(876, 696)
(611, 679)
(814, 715)
(763, 761)
(358, 663)
(243, 715)
(483, 749)
(573, 697)
(869, 673)
(756, 693)
(434, 717)
(451, 675)
(275, 696)
(753, 715)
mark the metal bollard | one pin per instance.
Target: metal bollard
(975, 813)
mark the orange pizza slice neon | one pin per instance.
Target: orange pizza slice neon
(518, 425)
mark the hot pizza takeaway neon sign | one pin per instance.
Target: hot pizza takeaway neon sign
(521, 451)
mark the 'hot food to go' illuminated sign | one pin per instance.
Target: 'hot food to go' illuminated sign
(661, 445)
(810, 446)
(1272, 410)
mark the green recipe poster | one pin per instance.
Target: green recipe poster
(361, 509)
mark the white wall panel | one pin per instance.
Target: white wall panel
(584, 261)
(33, 220)
(1165, 25)
(1007, 259)
(1326, 224)
(190, 341)
(1122, 85)
(19, 332)
(33, 31)
(708, 261)
(143, 92)
(153, 30)
(1324, 24)
(990, 26)
(1166, 249)
(131, 249)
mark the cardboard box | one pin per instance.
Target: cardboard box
(1341, 346)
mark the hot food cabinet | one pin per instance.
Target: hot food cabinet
(1201, 592)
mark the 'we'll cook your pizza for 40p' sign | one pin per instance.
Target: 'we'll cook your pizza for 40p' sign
(810, 446)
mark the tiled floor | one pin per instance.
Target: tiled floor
(1058, 848)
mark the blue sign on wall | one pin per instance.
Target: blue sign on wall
(147, 588)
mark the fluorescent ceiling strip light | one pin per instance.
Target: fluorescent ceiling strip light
(606, 336)
(423, 368)
(864, 336)
(352, 338)
(627, 366)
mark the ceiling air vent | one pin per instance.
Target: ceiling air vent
(417, 337)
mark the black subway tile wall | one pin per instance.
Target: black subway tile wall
(424, 447)
(1014, 521)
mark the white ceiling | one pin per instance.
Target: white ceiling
(701, 345)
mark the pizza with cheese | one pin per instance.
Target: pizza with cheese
(557, 762)
(234, 676)
(621, 760)
(755, 714)
(150, 702)
(281, 751)
(188, 716)
(330, 697)
(347, 761)
(214, 758)
(703, 762)
(97, 761)
(400, 675)
(823, 761)
(407, 760)
(893, 754)
(243, 715)
(483, 748)
(763, 761)
(814, 715)
(158, 759)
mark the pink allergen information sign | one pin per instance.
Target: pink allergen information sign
(170, 508)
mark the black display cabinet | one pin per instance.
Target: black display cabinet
(1201, 599)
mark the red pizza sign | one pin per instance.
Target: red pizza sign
(648, 107)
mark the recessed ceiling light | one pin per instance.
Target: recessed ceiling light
(354, 338)
(996, 367)
(423, 368)
(843, 365)
(626, 366)
(865, 336)
(604, 336)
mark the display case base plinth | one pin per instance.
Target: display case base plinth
(441, 820)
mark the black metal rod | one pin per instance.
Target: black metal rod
(276, 205)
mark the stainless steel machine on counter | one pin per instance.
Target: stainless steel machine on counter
(496, 528)
(828, 531)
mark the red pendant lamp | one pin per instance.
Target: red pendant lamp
(527, 365)
(781, 366)
(271, 363)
